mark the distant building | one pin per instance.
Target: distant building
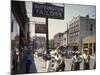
(58, 39)
(64, 39)
(79, 28)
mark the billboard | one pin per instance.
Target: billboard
(47, 10)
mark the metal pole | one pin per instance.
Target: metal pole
(67, 34)
(47, 43)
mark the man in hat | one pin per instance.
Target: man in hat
(86, 58)
(76, 60)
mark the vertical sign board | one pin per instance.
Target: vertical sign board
(47, 10)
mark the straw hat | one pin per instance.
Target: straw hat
(86, 49)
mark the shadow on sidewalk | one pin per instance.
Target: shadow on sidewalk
(21, 69)
(33, 67)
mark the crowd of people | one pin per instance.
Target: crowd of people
(77, 59)
(26, 60)
(57, 60)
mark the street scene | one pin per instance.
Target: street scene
(52, 37)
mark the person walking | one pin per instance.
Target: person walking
(61, 63)
(48, 58)
(86, 58)
(60, 59)
(76, 60)
(15, 59)
(28, 61)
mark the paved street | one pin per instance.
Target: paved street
(33, 68)
(40, 64)
(68, 64)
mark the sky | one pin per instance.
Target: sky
(15, 27)
(56, 25)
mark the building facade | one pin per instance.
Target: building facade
(58, 39)
(64, 39)
(79, 28)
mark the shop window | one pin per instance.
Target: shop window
(91, 27)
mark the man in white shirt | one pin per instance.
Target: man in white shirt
(86, 58)
(76, 60)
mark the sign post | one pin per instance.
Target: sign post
(47, 10)
(40, 28)
(47, 43)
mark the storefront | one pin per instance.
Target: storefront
(90, 42)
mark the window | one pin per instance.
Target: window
(91, 27)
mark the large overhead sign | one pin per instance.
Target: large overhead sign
(40, 28)
(48, 10)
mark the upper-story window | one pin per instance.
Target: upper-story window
(91, 27)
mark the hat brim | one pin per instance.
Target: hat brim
(86, 50)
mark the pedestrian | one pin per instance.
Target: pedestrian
(60, 62)
(48, 58)
(28, 61)
(95, 65)
(60, 59)
(86, 58)
(76, 60)
(15, 60)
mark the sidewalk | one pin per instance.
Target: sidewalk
(40, 64)
(21, 67)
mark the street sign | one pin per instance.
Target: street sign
(48, 10)
(40, 28)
